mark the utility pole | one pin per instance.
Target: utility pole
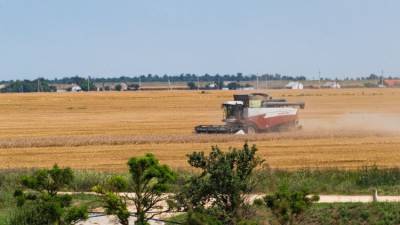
(266, 81)
(319, 78)
(169, 84)
(198, 82)
(88, 83)
(38, 85)
(257, 81)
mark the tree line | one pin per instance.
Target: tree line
(187, 78)
(173, 78)
(190, 77)
(38, 85)
(48, 85)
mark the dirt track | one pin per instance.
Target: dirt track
(108, 220)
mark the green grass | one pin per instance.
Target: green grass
(352, 213)
(176, 219)
(323, 181)
(8, 183)
(91, 201)
(333, 181)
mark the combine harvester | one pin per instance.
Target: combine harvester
(255, 113)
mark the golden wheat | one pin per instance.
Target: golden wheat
(344, 128)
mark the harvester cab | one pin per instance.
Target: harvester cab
(233, 111)
(253, 113)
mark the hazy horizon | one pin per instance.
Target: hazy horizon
(127, 38)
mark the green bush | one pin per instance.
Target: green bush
(39, 202)
(204, 218)
(288, 205)
(149, 180)
(225, 179)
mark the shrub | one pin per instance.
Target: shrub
(149, 181)
(287, 205)
(118, 87)
(39, 202)
(191, 85)
(225, 179)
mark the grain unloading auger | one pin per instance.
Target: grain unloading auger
(254, 113)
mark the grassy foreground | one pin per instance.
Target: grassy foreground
(332, 181)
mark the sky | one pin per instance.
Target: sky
(98, 38)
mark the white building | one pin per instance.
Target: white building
(124, 86)
(211, 85)
(331, 84)
(294, 85)
(248, 88)
(76, 88)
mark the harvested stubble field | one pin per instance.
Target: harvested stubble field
(342, 128)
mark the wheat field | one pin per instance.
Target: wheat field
(345, 128)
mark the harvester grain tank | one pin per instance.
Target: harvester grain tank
(254, 113)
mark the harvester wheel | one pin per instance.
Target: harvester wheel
(288, 127)
(251, 130)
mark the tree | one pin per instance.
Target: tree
(39, 202)
(219, 84)
(191, 85)
(118, 87)
(373, 77)
(149, 181)
(288, 205)
(133, 87)
(224, 182)
(233, 86)
(84, 85)
(114, 202)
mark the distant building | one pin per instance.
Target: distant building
(124, 86)
(247, 88)
(2, 86)
(381, 86)
(76, 88)
(294, 85)
(67, 87)
(331, 84)
(225, 83)
(211, 86)
(392, 83)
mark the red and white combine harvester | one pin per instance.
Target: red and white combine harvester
(254, 113)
